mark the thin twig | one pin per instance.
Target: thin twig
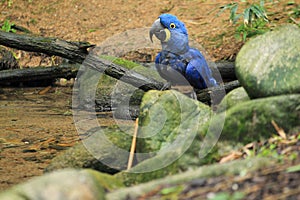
(133, 144)
(279, 130)
(295, 21)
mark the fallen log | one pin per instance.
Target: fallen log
(211, 96)
(70, 71)
(216, 94)
(39, 73)
(225, 68)
(126, 75)
(75, 51)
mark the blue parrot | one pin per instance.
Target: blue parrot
(178, 63)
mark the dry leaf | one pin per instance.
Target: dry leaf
(233, 156)
(45, 90)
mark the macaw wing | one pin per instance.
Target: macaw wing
(171, 68)
(199, 74)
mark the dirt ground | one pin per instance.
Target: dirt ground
(35, 127)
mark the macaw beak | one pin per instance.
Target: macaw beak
(162, 33)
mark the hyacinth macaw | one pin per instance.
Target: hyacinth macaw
(178, 63)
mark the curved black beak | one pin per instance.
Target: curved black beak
(159, 31)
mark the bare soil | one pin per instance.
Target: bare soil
(36, 127)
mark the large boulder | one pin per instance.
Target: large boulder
(269, 64)
(167, 115)
(171, 129)
(171, 125)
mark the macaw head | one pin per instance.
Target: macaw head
(171, 32)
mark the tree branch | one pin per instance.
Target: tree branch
(216, 94)
(75, 51)
(39, 73)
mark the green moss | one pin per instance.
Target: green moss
(120, 138)
(132, 178)
(122, 62)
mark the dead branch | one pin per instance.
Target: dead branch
(39, 73)
(75, 51)
(216, 94)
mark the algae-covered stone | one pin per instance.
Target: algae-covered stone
(65, 184)
(233, 98)
(104, 150)
(269, 64)
(131, 177)
(106, 181)
(171, 127)
(167, 115)
(251, 120)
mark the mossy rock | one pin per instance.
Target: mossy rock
(108, 182)
(64, 184)
(171, 123)
(167, 115)
(233, 98)
(133, 178)
(171, 129)
(105, 150)
(229, 169)
(252, 120)
(269, 64)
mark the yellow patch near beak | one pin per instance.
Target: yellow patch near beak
(168, 35)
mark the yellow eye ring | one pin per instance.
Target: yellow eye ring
(172, 25)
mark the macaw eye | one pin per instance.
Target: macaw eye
(172, 25)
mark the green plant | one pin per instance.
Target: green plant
(8, 26)
(258, 27)
(270, 151)
(296, 12)
(254, 17)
